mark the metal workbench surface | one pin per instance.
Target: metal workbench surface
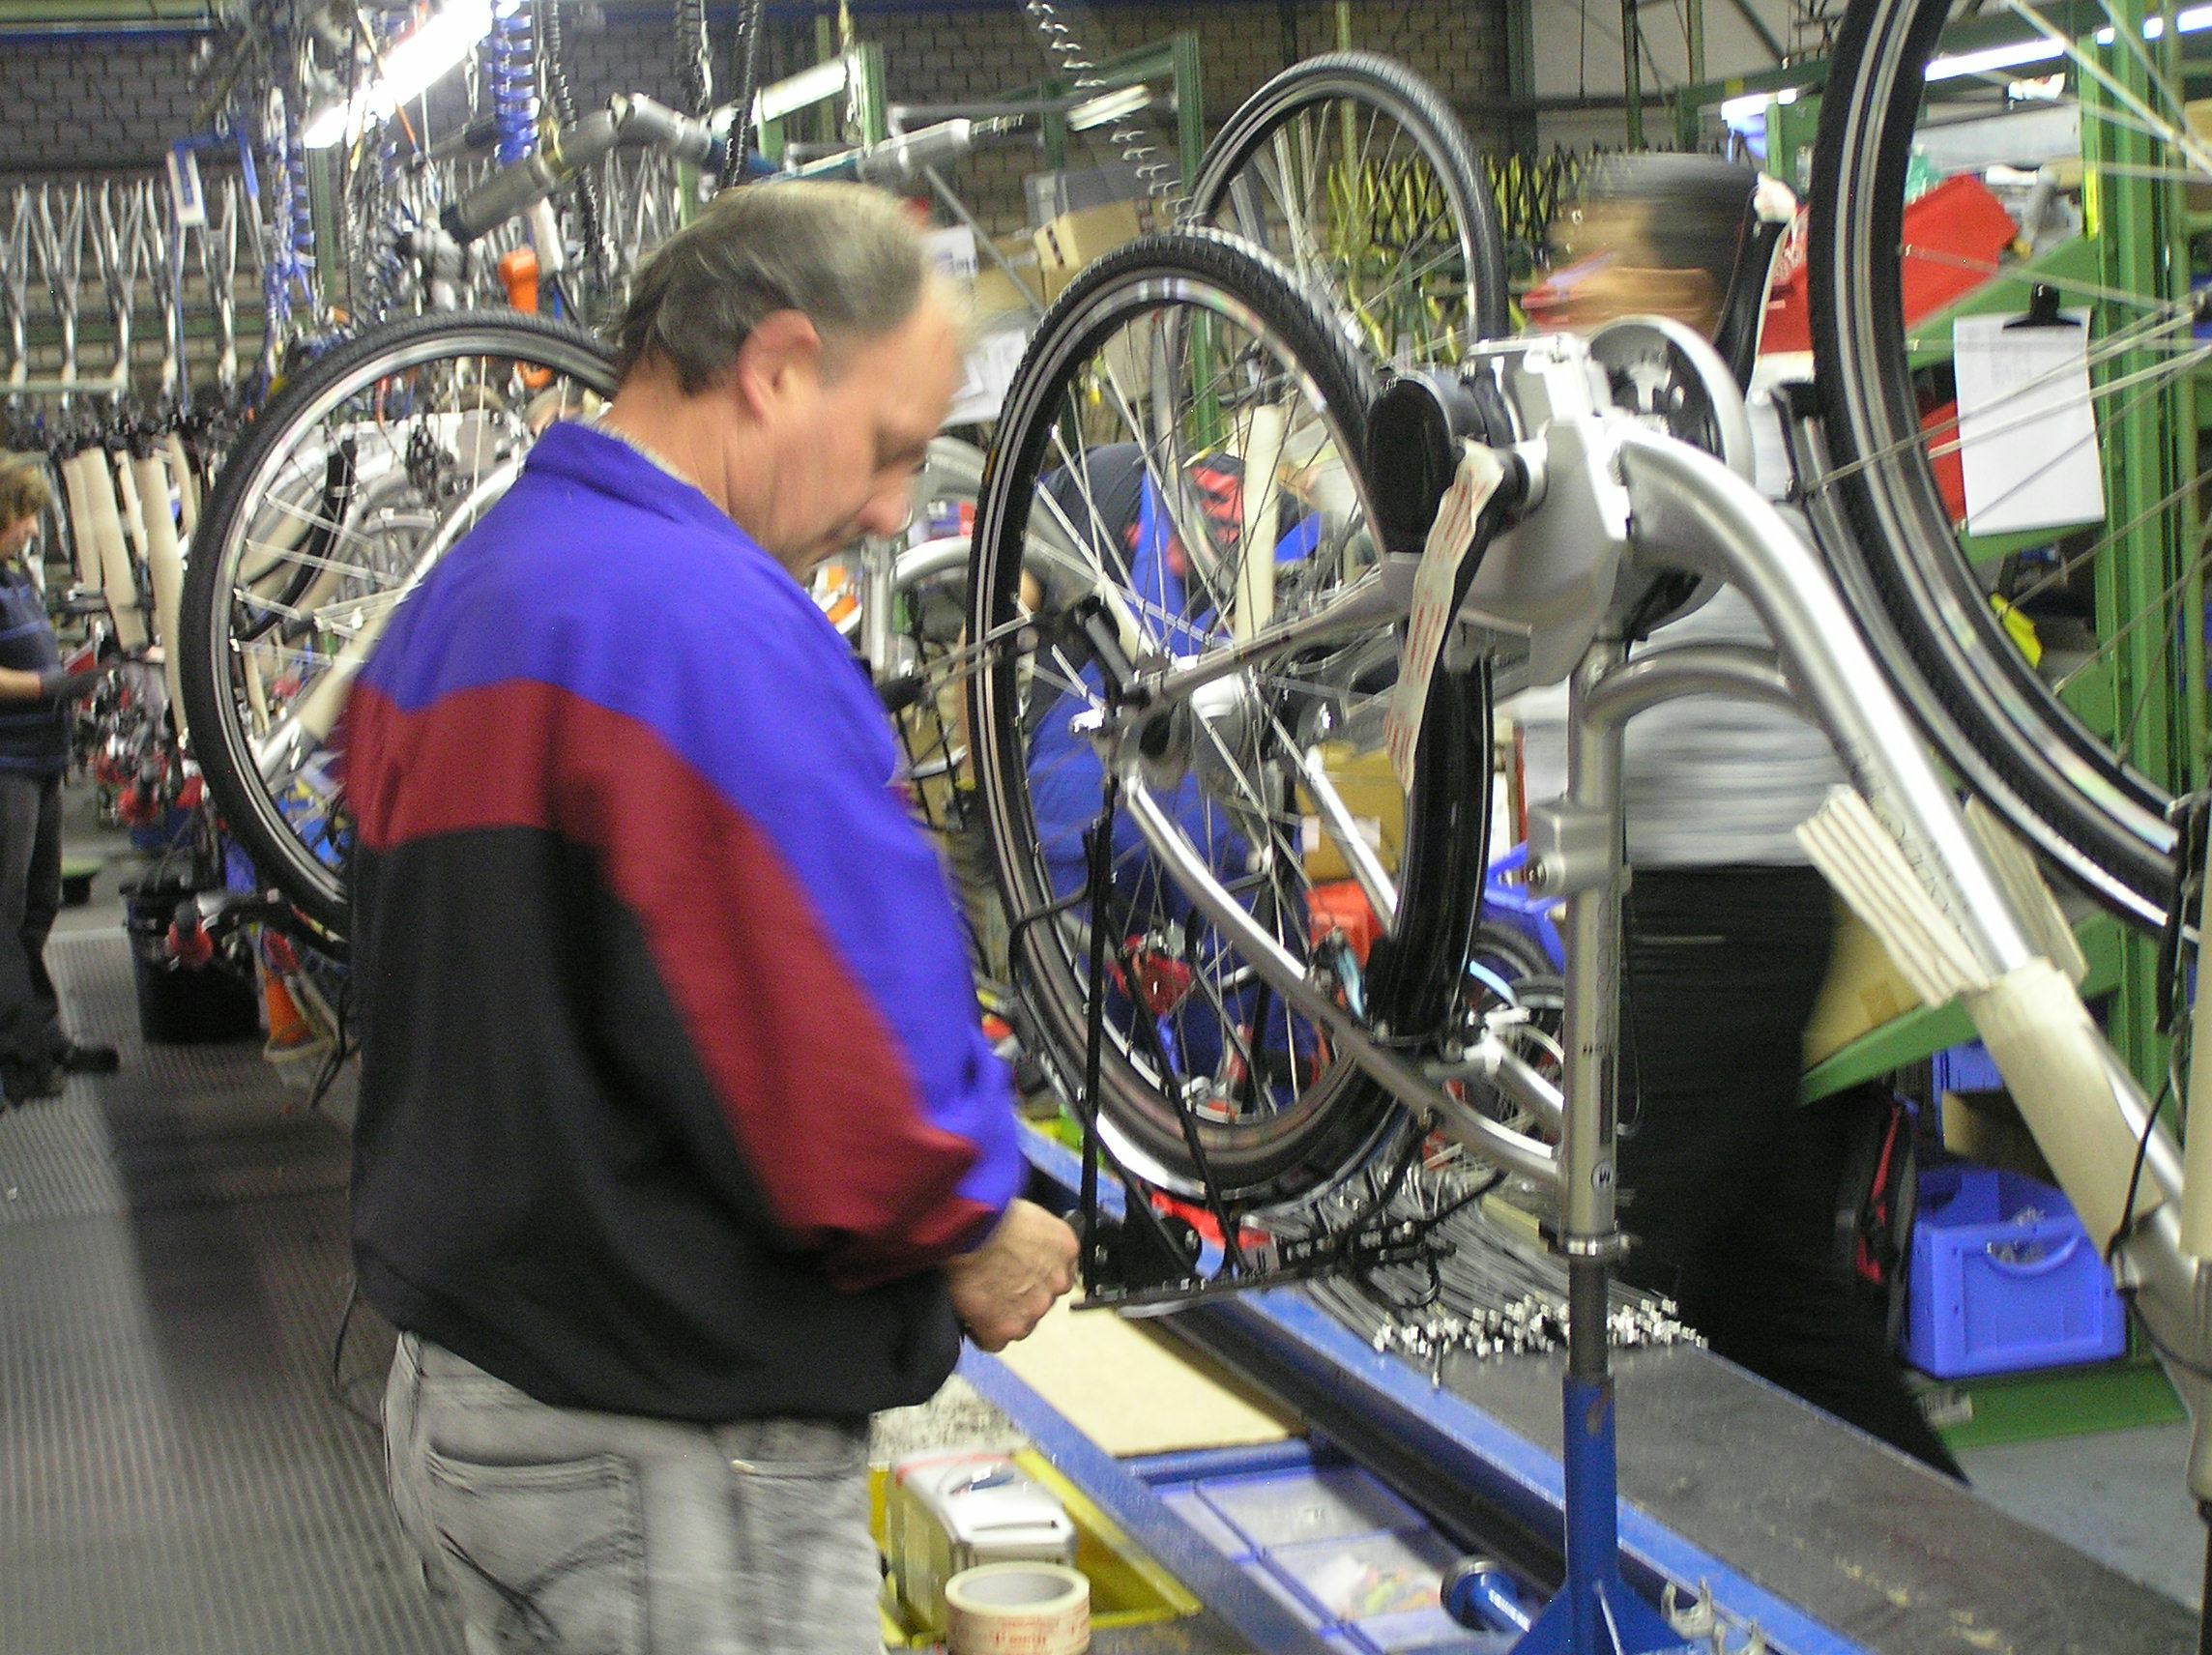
(1869, 1546)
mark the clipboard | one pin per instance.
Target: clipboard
(2029, 449)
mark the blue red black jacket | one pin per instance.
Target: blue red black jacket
(673, 1092)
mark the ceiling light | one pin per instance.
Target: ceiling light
(2037, 50)
(435, 48)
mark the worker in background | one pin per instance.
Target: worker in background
(35, 698)
(1728, 1186)
(679, 1150)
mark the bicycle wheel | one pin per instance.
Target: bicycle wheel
(2059, 639)
(1353, 172)
(1170, 378)
(340, 498)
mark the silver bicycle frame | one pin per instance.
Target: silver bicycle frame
(1613, 506)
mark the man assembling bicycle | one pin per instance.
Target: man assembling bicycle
(679, 1150)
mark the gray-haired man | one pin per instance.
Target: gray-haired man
(679, 1150)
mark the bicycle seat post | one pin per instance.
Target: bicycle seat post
(1577, 852)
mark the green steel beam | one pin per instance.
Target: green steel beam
(2136, 221)
(1632, 72)
(1757, 26)
(47, 15)
(1175, 60)
(2071, 264)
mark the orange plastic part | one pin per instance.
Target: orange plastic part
(1342, 906)
(518, 275)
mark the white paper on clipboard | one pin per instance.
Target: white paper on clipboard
(1451, 539)
(2027, 430)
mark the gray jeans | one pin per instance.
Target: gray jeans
(583, 1533)
(30, 897)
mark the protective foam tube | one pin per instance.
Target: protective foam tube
(117, 577)
(166, 566)
(1264, 429)
(81, 529)
(188, 487)
(2032, 1019)
(131, 513)
(2053, 1062)
(1018, 1609)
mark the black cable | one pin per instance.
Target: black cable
(746, 50)
(562, 96)
(341, 1048)
(338, 1387)
(2134, 1172)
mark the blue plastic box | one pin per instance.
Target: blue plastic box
(1965, 1068)
(2005, 1278)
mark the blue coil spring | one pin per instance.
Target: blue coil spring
(302, 228)
(276, 273)
(512, 65)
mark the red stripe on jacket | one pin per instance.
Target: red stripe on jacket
(809, 1076)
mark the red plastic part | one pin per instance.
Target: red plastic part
(1954, 236)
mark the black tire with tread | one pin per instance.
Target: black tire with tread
(1414, 977)
(1386, 84)
(202, 623)
(1904, 539)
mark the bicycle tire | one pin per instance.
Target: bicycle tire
(248, 812)
(1386, 86)
(1417, 974)
(2007, 734)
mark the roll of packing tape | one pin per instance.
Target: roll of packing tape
(1017, 1608)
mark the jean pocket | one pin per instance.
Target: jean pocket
(547, 1557)
(814, 1450)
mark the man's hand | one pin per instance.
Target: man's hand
(1002, 1290)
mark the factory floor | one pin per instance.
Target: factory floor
(187, 1460)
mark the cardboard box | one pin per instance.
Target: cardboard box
(1365, 782)
(1986, 1127)
(1073, 239)
(993, 291)
(1863, 992)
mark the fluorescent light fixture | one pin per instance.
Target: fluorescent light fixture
(436, 46)
(1108, 107)
(2040, 51)
(2018, 52)
(1737, 111)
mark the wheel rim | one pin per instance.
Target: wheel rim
(439, 424)
(1369, 203)
(1274, 1111)
(2088, 743)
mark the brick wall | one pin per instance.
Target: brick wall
(115, 102)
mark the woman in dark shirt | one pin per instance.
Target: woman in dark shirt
(35, 694)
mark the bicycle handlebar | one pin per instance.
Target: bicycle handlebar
(516, 187)
(627, 119)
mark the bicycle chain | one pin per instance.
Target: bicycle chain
(1160, 178)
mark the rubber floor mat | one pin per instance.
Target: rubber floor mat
(177, 1474)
